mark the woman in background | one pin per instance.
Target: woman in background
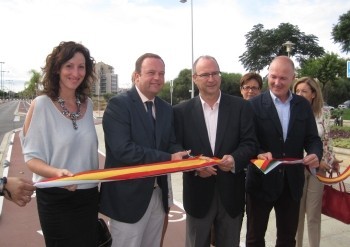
(250, 84)
(311, 201)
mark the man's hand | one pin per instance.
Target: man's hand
(206, 171)
(180, 155)
(311, 160)
(227, 163)
(265, 156)
(19, 190)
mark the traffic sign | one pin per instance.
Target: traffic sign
(348, 69)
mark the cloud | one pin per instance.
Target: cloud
(118, 31)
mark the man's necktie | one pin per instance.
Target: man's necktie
(149, 105)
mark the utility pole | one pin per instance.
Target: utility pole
(1, 83)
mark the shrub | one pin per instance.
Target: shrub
(340, 136)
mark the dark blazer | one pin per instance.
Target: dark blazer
(302, 135)
(235, 136)
(130, 141)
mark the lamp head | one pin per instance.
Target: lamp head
(288, 45)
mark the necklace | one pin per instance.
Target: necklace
(74, 115)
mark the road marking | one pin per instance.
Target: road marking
(175, 214)
(17, 119)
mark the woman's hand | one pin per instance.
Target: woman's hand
(65, 172)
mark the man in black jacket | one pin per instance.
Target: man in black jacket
(219, 125)
(285, 127)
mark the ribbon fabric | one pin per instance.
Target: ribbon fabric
(129, 172)
(268, 165)
(333, 180)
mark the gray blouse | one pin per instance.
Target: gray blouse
(52, 138)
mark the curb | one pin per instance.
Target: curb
(7, 145)
(4, 148)
(344, 151)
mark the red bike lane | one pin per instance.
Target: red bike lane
(19, 226)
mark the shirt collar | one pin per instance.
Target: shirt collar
(142, 96)
(206, 104)
(276, 99)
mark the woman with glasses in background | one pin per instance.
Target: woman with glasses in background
(250, 84)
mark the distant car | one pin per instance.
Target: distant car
(326, 106)
(344, 105)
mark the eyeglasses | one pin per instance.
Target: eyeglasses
(247, 88)
(207, 75)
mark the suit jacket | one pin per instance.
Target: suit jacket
(130, 141)
(302, 135)
(235, 136)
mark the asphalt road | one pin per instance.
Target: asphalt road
(8, 120)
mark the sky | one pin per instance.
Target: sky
(117, 32)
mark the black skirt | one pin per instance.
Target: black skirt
(68, 218)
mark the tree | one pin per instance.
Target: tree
(230, 83)
(264, 45)
(341, 32)
(181, 87)
(32, 86)
(107, 96)
(326, 69)
(338, 92)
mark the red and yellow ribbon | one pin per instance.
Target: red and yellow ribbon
(267, 165)
(342, 176)
(129, 172)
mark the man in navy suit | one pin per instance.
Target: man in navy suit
(218, 125)
(285, 127)
(134, 135)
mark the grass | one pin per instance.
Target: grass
(341, 143)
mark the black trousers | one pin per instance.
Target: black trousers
(287, 215)
(68, 218)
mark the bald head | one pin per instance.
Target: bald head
(283, 60)
(281, 76)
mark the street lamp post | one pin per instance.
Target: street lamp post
(289, 46)
(171, 92)
(192, 84)
(1, 84)
(10, 89)
(98, 96)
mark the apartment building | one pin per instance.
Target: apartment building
(107, 81)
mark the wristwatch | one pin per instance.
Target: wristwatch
(3, 182)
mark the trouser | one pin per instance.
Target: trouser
(287, 215)
(147, 232)
(226, 229)
(311, 205)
